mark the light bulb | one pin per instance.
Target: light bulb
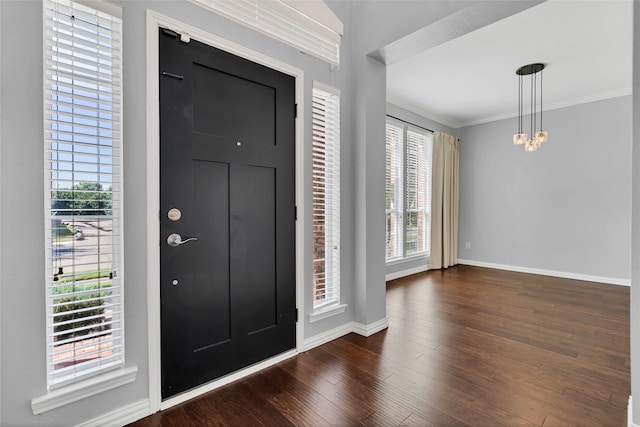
(542, 136)
(519, 138)
(530, 145)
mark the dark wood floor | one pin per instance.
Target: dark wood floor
(465, 347)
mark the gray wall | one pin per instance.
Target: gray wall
(378, 24)
(566, 207)
(361, 80)
(369, 25)
(393, 110)
(1, 85)
(21, 186)
(635, 244)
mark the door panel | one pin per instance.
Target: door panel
(211, 306)
(227, 159)
(235, 119)
(261, 236)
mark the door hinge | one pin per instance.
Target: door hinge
(295, 214)
(296, 315)
(295, 111)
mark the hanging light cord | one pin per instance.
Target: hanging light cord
(541, 71)
(533, 111)
(535, 104)
(520, 107)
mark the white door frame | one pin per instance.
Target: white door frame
(154, 22)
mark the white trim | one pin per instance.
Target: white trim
(1, 210)
(405, 273)
(325, 312)
(553, 273)
(153, 213)
(396, 261)
(342, 330)
(103, 6)
(154, 21)
(317, 84)
(630, 422)
(371, 328)
(326, 336)
(602, 96)
(455, 124)
(181, 398)
(449, 122)
(121, 416)
(80, 390)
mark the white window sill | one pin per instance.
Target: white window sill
(325, 312)
(89, 387)
(395, 261)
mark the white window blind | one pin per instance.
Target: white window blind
(326, 196)
(418, 194)
(408, 190)
(286, 23)
(82, 192)
(394, 189)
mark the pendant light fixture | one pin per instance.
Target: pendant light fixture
(537, 136)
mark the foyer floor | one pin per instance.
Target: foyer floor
(466, 346)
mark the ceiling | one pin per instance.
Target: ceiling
(587, 46)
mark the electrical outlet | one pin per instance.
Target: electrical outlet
(467, 245)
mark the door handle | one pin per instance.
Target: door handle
(176, 240)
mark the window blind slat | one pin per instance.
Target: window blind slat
(82, 191)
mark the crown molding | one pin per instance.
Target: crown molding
(455, 124)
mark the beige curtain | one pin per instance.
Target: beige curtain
(444, 201)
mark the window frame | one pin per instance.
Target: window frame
(111, 289)
(400, 252)
(327, 133)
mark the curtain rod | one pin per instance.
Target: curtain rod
(409, 123)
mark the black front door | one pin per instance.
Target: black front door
(227, 213)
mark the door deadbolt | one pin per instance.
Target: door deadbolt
(174, 214)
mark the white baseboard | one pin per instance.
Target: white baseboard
(371, 328)
(407, 272)
(553, 273)
(630, 422)
(121, 416)
(325, 337)
(358, 328)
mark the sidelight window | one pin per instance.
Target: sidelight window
(408, 190)
(326, 196)
(83, 199)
